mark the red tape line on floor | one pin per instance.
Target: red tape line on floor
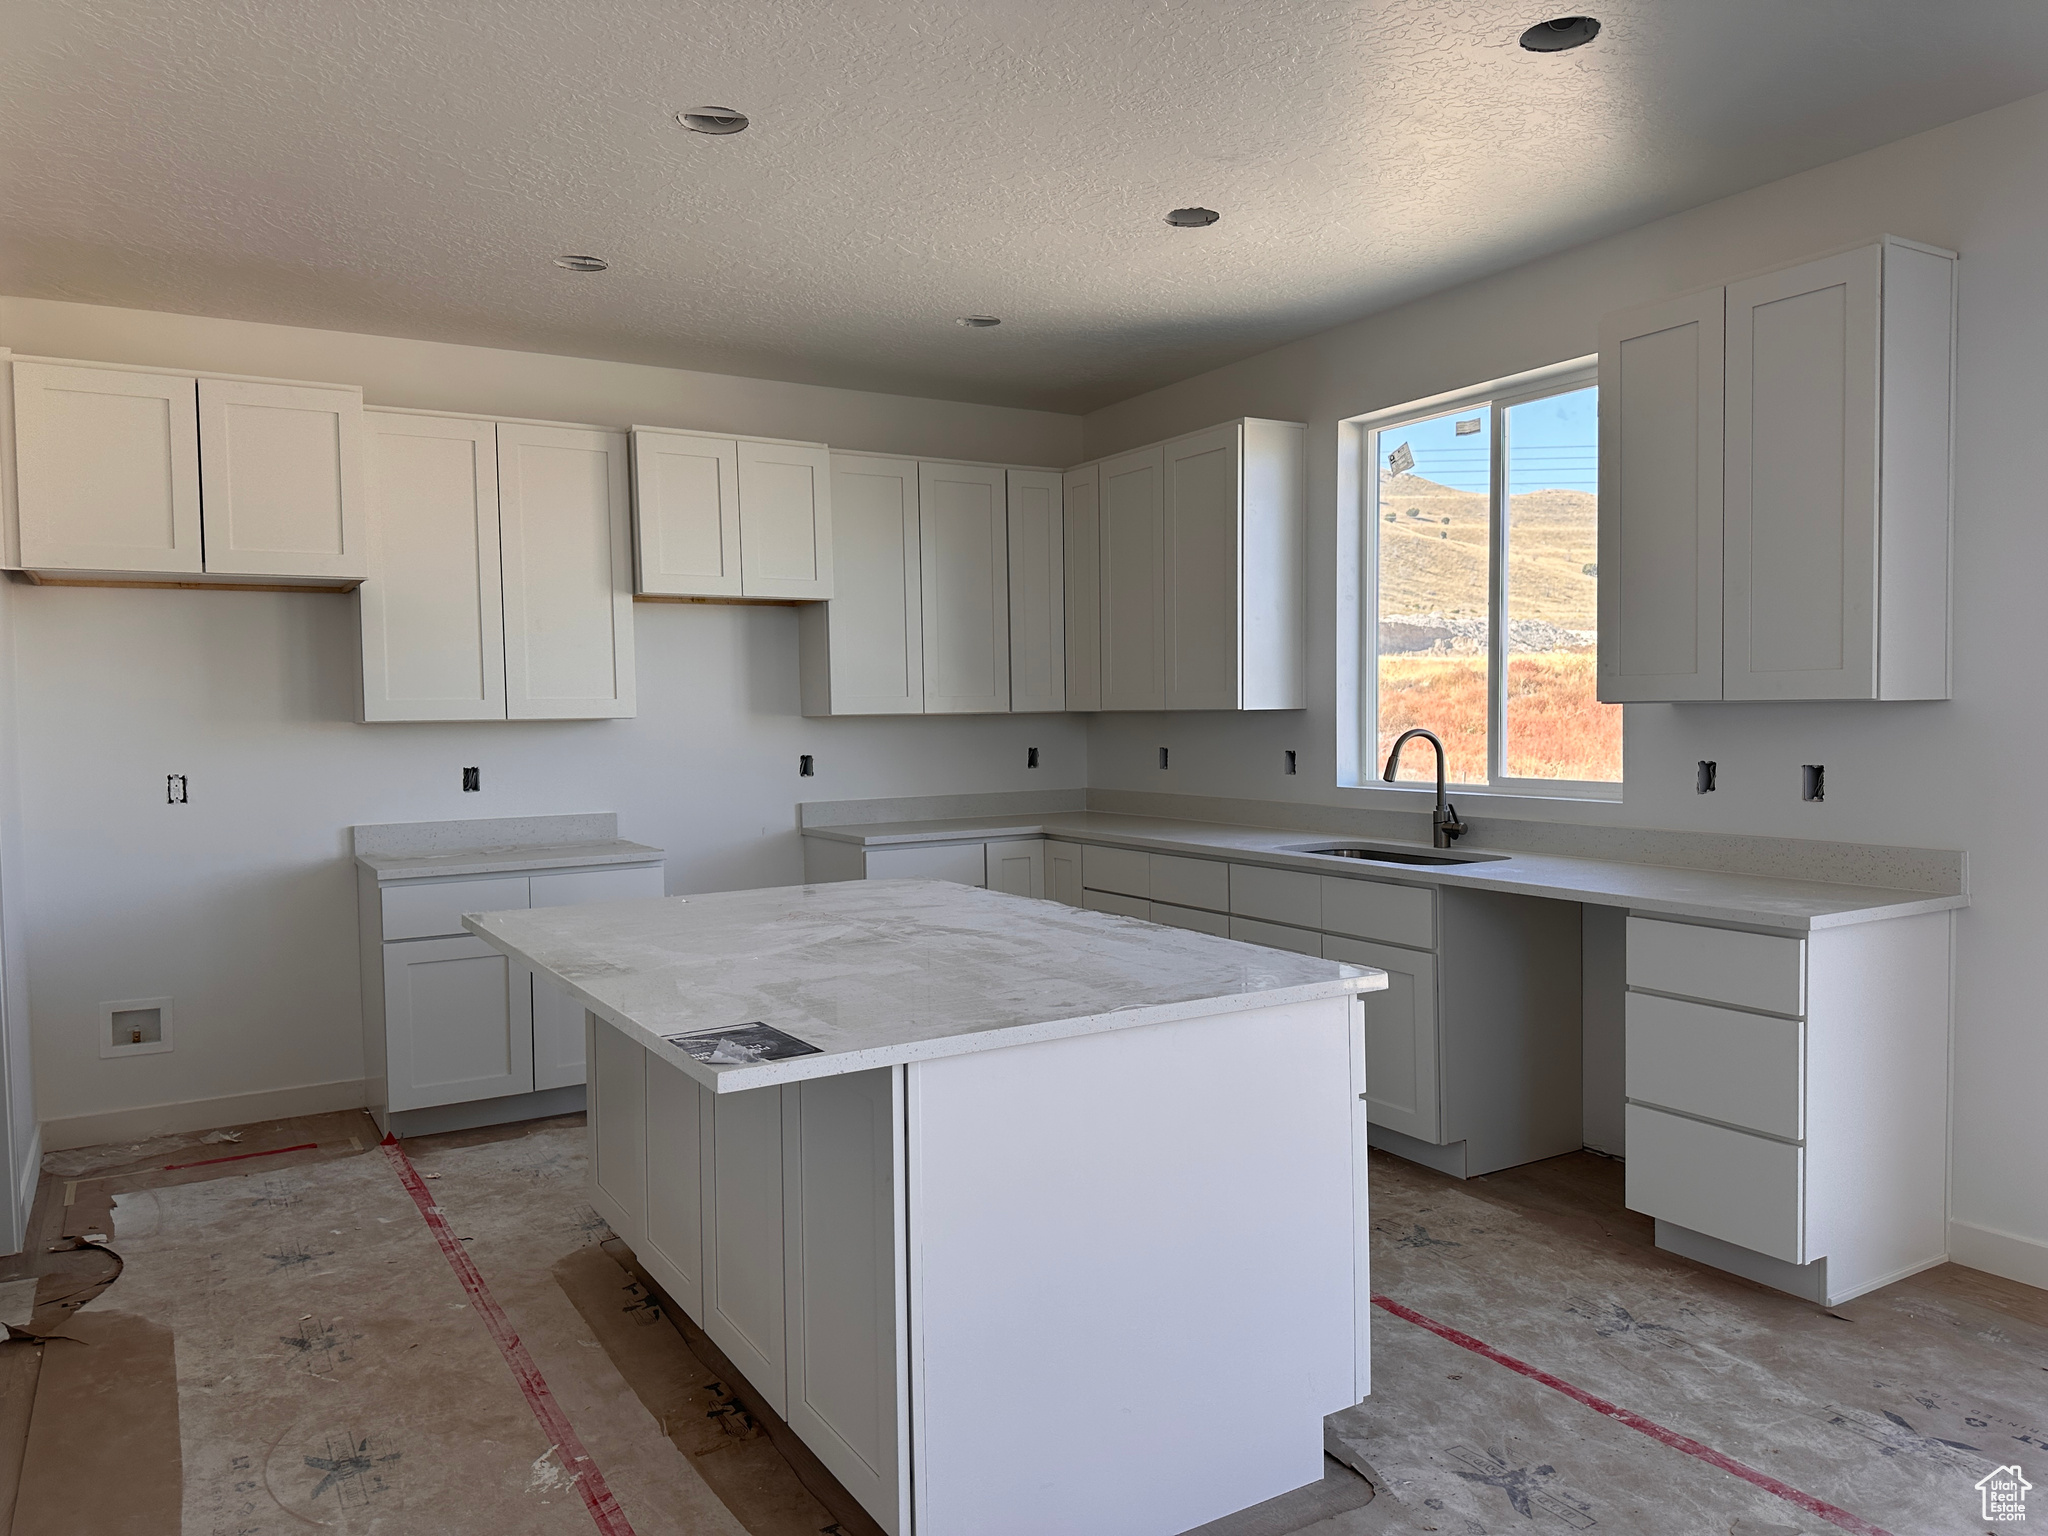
(597, 1495)
(1819, 1508)
(236, 1157)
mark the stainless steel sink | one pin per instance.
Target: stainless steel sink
(1372, 853)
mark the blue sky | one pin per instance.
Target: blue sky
(1553, 444)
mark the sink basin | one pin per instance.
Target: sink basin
(1373, 854)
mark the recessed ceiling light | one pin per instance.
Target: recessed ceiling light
(582, 263)
(977, 322)
(713, 120)
(1560, 33)
(1193, 218)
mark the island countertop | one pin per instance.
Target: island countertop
(879, 972)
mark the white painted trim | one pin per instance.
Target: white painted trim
(201, 1114)
(25, 1192)
(2012, 1255)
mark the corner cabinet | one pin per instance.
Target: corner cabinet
(500, 582)
(948, 591)
(1775, 485)
(731, 517)
(1197, 565)
(137, 472)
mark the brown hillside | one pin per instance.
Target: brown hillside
(1433, 556)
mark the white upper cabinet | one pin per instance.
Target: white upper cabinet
(281, 479)
(1083, 571)
(1038, 636)
(863, 651)
(432, 611)
(731, 517)
(155, 472)
(963, 536)
(785, 520)
(1131, 504)
(1660, 501)
(107, 468)
(1234, 539)
(1811, 552)
(686, 501)
(565, 527)
(1839, 402)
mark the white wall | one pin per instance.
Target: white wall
(1961, 774)
(240, 905)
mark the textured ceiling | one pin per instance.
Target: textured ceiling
(412, 169)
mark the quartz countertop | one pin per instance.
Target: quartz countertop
(446, 863)
(878, 972)
(1651, 889)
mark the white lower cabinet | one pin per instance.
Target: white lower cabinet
(1780, 1120)
(1063, 872)
(447, 1020)
(1402, 1062)
(459, 1021)
(1018, 868)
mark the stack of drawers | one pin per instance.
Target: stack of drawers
(1717, 1113)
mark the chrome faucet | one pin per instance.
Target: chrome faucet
(1444, 825)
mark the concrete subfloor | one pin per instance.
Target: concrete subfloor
(276, 1343)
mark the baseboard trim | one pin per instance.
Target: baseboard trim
(25, 1192)
(1997, 1252)
(71, 1131)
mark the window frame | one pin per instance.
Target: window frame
(1497, 397)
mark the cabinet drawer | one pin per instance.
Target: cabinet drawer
(1388, 914)
(1111, 901)
(433, 910)
(1745, 1068)
(1277, 895)
(1190, 882)
(1123, 870)
(573, 888)
(1273, 936)
(1191, 918)
(1728, 1184)
(1718, 965)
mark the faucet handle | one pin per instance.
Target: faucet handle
(1452, 827)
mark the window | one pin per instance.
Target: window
(1482, 579)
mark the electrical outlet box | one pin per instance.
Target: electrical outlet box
(1813, 781)
(139, 1027)
(1031, 757)
(1703, 781)
(472, 780)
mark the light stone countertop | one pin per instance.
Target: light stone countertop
(877, 972)
(1652, 889)
(496, 861)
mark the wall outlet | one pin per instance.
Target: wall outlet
(805, 768)
(139, 1027)
(1292, 765)
(1031, 757)
(174, 789)
(1703, 782)
(472, 780)
(1813, 781)
(1162, 757)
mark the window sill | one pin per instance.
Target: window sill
(1500, 799)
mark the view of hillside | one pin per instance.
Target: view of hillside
(1433, 631)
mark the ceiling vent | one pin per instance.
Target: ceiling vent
(1193, 218)
(582, 263)
(713, 120)
(1563, 32)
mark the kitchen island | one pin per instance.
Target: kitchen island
(1055, 1220)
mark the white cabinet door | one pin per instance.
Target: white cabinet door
(686, 513)
(1802, 481)
(1133, 597)
(1063, 873)
(618, 1132)
(964, 541)
(566, 525)
(431, 610)
(458, 1016)
(785, 520)
(847, 1284)
(1018, 868)
(678, 1131)
(1083, 562)
(1401, 1061)
(281, 479)
(1660, 501)
(962, 863)
(1203, 495)
(743, 1238)
(1038, 625)
(106, 468)
(863, 652)
(558, 1017)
